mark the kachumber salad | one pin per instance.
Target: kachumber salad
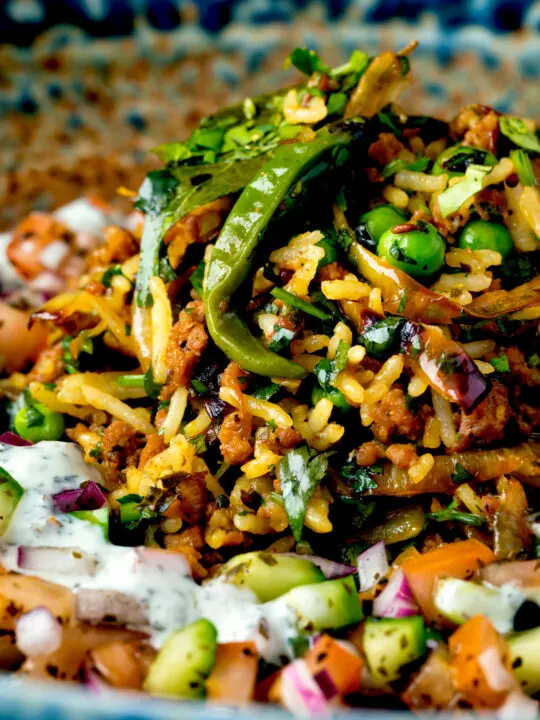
(274, 436)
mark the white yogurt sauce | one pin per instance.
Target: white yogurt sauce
(171, 600)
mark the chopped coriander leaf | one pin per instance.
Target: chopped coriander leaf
(222, 501)
(199, 443)
(49, 385)
(196, 278)
(501, 364)
(357, 63)
(109, 273)
(95, 452)
(307, 61)
(336, 103)
(267, 392)
(150, 385)
(281, 339)
(131, 497)
(451, 199)
(299, 304)
(451, 514)
(200, 387)
(359, 478)
(299, 476)
(402, 301)
(460, 475)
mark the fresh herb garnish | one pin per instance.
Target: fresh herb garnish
(299, 475)
(452, 514)
(197, 277)
(299, 304)
(200, 387)
(307, 61)
(517, 131)
(460, 475)
(394, 166)
(151, 387)
(381, 337)
(281, 339)
(267, 392)
(95, 452)
(326, 371)
(109, 273)
(501, 363)
(359, 478)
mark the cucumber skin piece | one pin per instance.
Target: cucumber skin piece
(10, 494)
(459, 600)
(390, 643)
(329, 605)
(270, 575)
(525, 659)
(184, 662)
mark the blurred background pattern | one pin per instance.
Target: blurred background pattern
(87, 87)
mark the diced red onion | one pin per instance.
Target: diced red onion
(300, 694)
(93, 680)
(38, 632)
(65, 561)
(48, 283)
(329, 568)
(396, 600)
(97, 606)
(11, 438)
(534, 524)
(163, 560)
(372, 566)
(518, 705)
(497, 676)
(327, 685)
(89, 497)
(54, 254)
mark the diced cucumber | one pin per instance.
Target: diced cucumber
(10, 494)
(391, 643)
(270, 575)
(525, 658)
(459, 600)
(96, 517)
(331, 604)
(184, 662)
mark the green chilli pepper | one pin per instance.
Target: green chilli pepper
(271, 194)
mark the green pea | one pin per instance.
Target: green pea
(455, 160)
(419, 252)
(381, 218)
(335, 396)
(36, 422)
(484, 235)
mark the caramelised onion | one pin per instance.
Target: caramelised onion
(64, 561)
(89, 497)
(109, 606)
(38, 632)
(372, 566)
(396, 600)
(330, 569)
(300, 693)
(11, 438)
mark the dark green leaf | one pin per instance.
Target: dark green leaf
(33, 417)
(152, 388)
(326, 371)
(95, 452)
(299, 476)
(267, 392)
(383, 336)
(200, 387)
(131, 497)
(307, 61)
(451, 514)
(109, 273)
(336, 103)
(501, 364)
(197, 277)
(460, 475)
(359, 478)
(281, 339)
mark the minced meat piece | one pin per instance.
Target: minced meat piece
(392, 417)
(187, 341)
(120, 448)
(402, 454)
(368, 453)
(487, 422)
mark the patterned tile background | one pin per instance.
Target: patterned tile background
(87, 87)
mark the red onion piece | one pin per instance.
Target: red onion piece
(89, 497)
(48, 283)
(518, 705)
(327, 685)
(64, 561)
(372, 566)
(163, 560)
(300, 694)
(38, 632)
(54, 254)
(11, 438)
(329, 568)
(110, 606)
(93, 680)
(396, 600)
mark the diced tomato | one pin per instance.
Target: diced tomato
(30, 238)
(18, 344)
(459, 560)
(234, 675)
(480, 662)
(122, 664)
(433, 687)
(343, 666)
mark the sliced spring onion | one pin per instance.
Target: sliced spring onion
(523, 167)
(453, 198)
(517, 131)
(419, 165)
(298, 303)
(131, 380)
